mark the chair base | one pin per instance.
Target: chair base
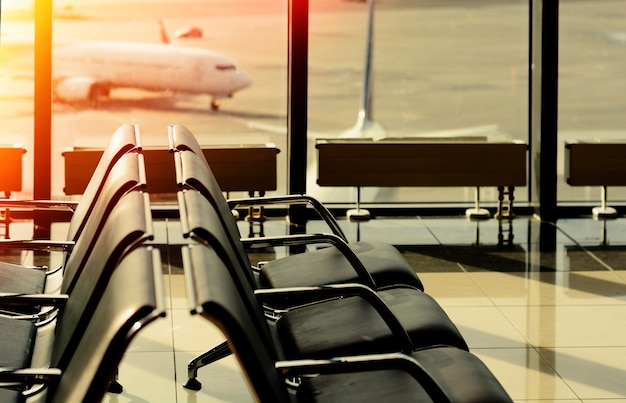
(216, 353)
(192, 384)
(115, 387)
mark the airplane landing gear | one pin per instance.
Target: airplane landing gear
(95, 92)
(215, 104)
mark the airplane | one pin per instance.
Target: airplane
(85, 71)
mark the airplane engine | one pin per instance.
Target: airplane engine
(74, 89)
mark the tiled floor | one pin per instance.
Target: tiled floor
(550, 324)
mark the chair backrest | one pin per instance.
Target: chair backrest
(180, 138)
(248, 168)
(127, 173)
(214, 293)
(132, 299)
(193, 172)
(200, 221)
(124, 139)
(128, 226)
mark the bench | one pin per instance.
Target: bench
(10, 177)
(249, 167)
(11, 174)
(596, 163)
(425, 162)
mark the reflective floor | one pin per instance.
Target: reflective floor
(544, 308)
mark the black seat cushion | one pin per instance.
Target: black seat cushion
(384, 262)
(22, 280)
(463, 377)
(16, 342)
(374, 386)
(351, 326)
(15, 278)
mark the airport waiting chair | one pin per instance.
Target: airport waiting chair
(344, 319)
(127, 173)
(125, 139)
(26, 342)
(91, 360)
(381, 261)
(436, 374)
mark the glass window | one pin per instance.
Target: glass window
(453, 68)
(215, 66)
(17, 91)
(439, 68)
(591, 82)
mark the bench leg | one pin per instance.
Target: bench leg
(505, 235)
(5, 219)
(256, 216)
(477, 213)
(358, 214)
(234, 212)
(505, 207)
(603, 211)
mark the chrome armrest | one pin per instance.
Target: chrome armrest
(323, 212)
(37, 244)
(304, 239)
(12, 299)
(363, 363)
(55, 205)
(25, 379)
(53, 303)
(340, 291)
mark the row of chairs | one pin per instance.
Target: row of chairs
(64, 330)
(347, 322)
(322, 325)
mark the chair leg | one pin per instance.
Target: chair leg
(214, 354)
(358, 214)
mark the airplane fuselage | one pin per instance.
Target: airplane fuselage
(153, 67)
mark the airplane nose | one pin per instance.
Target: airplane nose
(243, 79)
